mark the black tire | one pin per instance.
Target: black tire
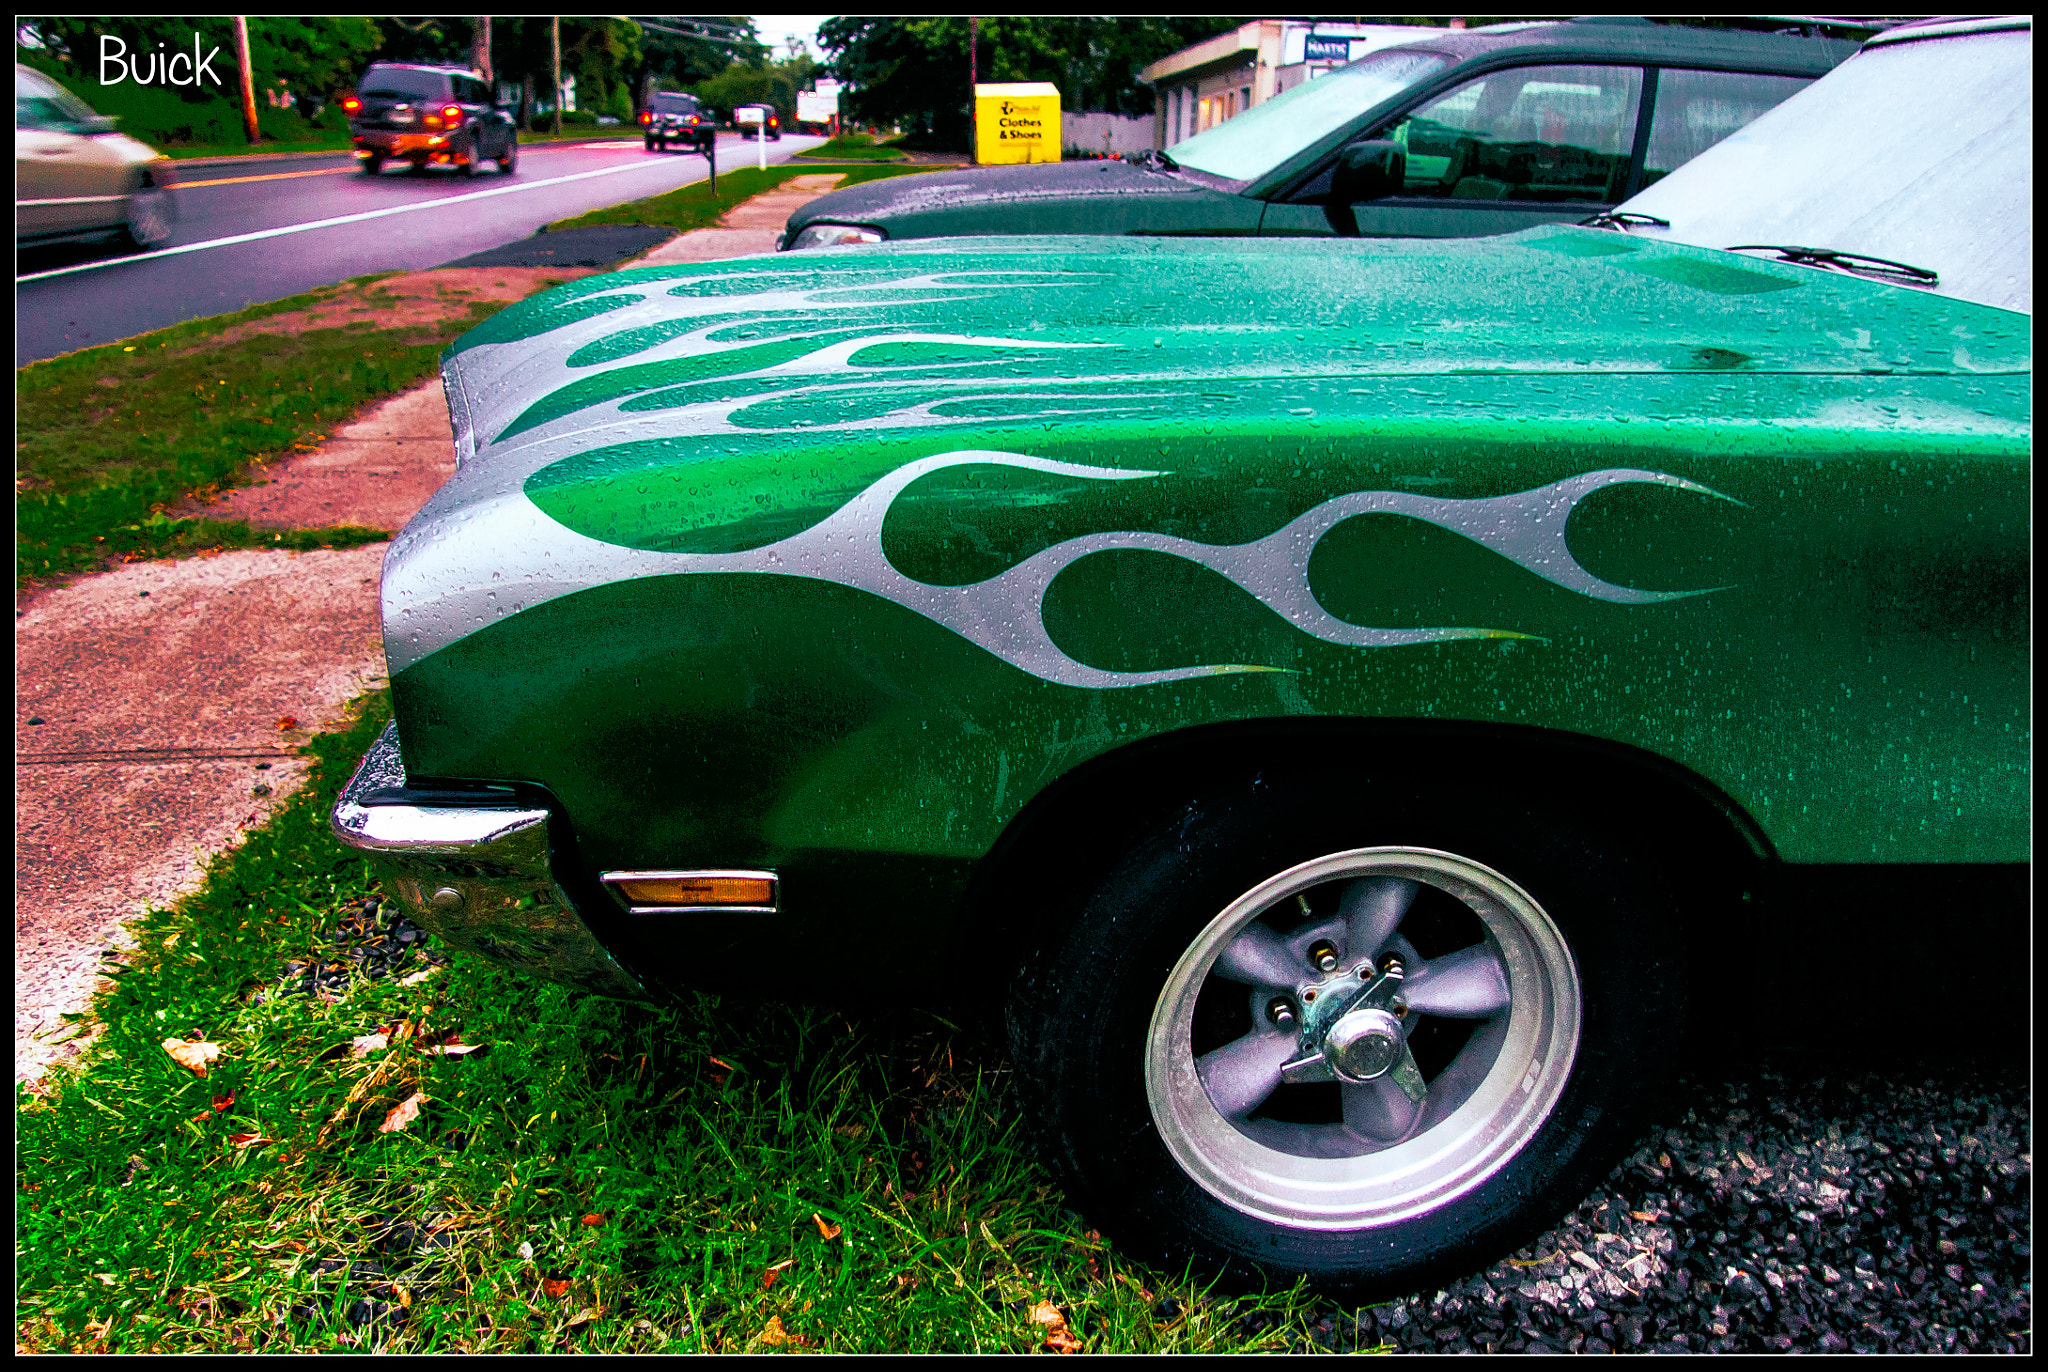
(509, 163)
(1082, 1019)
(373, 164)
(470, 157)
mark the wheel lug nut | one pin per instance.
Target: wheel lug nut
(1280, 1011)
(1322, 955)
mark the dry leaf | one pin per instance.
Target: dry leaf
(402, 1114)
(593, 1220)
(1643, 1215)
(1045, 1312)
(192, 1055)
(775, 1336)
(417, 977)
(366, 1044)
(1062, 1340)
(106, 1278)
(97, 1329)
(582, 1317)
(202, 1115)
(555, 1289)
(287, 722)
(246, 1140)
(826, 1230)
(223, 1103)
(768, 1277)
(454, 1047)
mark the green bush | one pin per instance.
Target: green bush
(578, 117)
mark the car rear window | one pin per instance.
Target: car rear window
(675, 104)
(404, 85)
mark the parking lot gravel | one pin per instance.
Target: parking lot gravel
(1802, 1205)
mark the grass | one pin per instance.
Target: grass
(856, 147)
(694, 207)
(108, 437)
(706, 1176)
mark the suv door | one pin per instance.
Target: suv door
(1500, 152)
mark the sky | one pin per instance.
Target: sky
(776, 28)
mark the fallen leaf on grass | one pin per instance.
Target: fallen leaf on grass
(223, 1103)
(452, 1046)
(366, 1044)
(826, 1230)
(246, 1140)
(402, 1114)
(582, 1317)
(202, 1115)
(417, 977)
(775, 1336)
(1058, 1338)
(768, 1277)
(105, 1278)
(593, 1220)
(192, 1055)
(555, 1289)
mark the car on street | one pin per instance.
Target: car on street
(678, 120)
(429, 115)
(1341, 706)
(77, 177)
(757, 121)
(1458, 134)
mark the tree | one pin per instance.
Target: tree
(913, 72)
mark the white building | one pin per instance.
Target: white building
(1202, 86)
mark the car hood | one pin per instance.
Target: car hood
(642, 422)
(972, 188)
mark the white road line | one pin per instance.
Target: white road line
(341, 219)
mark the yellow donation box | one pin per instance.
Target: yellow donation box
(1017, 122)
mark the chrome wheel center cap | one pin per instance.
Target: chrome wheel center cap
(1364, 1044)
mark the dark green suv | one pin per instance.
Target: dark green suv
(1458, 134)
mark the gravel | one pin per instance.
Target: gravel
(370, 941)
(1788, 1207)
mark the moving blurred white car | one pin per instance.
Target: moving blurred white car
(76, 177)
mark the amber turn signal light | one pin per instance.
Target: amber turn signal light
(651, 889)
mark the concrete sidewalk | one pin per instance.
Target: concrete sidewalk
(151, 701)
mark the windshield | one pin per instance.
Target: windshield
(1264, 136)
(405, 85)
(675, 104)
(1919, 152)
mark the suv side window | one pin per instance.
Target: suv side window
(1554, 133)
(1693, 110)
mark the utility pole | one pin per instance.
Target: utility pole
(555, 43)
(480, 50)
(973, 105)
(248, 80)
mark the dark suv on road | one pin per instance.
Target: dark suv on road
(680, 119)
(428, 115)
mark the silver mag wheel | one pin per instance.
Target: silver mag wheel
(148, 221)
(1350, 1016)
(1362, 1038)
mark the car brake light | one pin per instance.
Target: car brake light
(351, 104)
(451, 112)
(646, 118)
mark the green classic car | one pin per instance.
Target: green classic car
(1466, 132)
(1332, 699)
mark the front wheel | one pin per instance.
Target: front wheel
(1377, 1044)
(148, 220)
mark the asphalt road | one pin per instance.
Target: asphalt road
(275, 215)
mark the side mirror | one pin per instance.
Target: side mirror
(1370, 169)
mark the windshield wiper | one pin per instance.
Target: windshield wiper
(1151, 158)
(1622, 221)
(1863, 264)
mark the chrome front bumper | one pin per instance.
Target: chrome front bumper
(477, 876)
